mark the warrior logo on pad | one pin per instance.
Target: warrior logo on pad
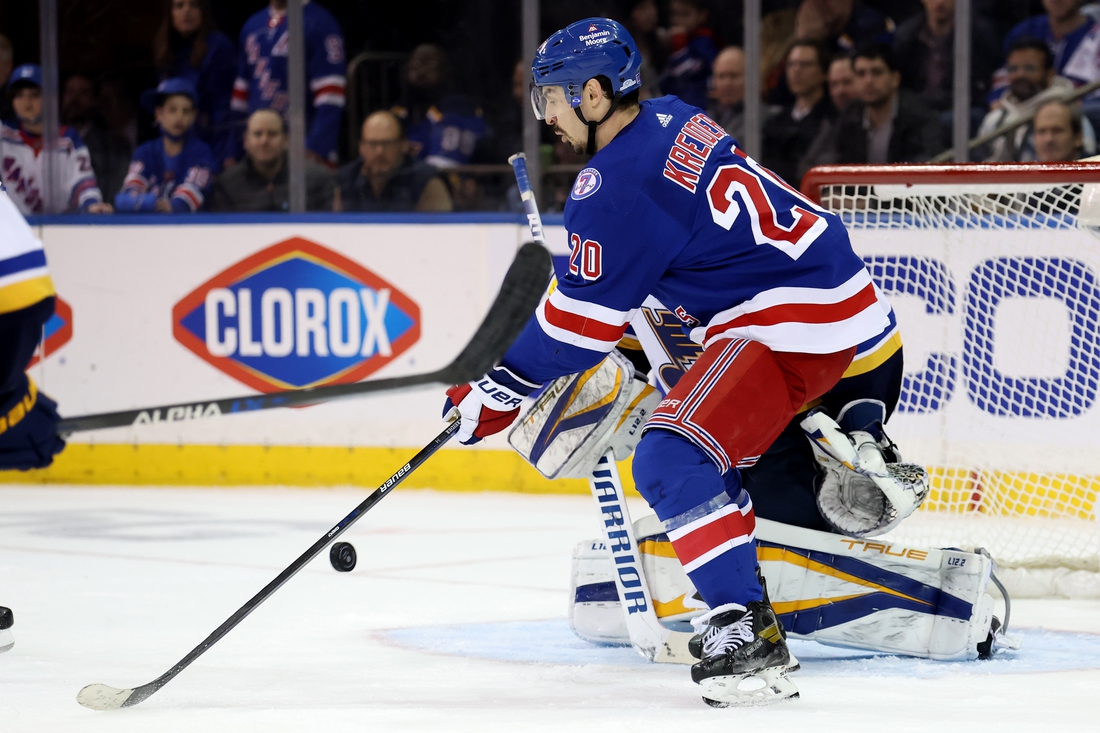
(296, 315)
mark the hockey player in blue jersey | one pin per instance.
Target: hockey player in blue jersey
(262, 73)
(762, 278)
(172, 173)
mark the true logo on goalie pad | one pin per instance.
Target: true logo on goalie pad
(296, 315)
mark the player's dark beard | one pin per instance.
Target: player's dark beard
(578, 148)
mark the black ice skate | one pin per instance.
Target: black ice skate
(7, 641)
(744, 657)
(695, 643)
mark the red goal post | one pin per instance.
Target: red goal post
(994, 273)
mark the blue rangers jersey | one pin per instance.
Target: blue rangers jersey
(262, 72)
(673, 209)
(75, 184)
(184, 179)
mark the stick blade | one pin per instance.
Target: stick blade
(103, 697)
(520, 292)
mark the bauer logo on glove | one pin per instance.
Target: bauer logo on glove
(488, 405)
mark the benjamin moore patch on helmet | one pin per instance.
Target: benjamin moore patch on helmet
(587, 183)
(296, 315)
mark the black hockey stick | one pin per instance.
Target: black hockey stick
(105, 697)
(523, 285)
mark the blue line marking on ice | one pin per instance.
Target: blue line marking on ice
(552, 642)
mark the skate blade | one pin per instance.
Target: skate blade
(793, 665)
(7, 641)
(766, 687)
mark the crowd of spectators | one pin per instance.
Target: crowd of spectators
(844, 81)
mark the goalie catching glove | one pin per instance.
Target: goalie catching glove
(487, 405)
(865, 490)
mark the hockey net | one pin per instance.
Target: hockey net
(994, 273)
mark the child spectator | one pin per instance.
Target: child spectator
(694, 49)
(262, 73)
(74, 184)
(261, 181)
(172, 173)
(188, 46)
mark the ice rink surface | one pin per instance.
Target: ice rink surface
(453, 620)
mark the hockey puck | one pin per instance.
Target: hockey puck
(342, 556)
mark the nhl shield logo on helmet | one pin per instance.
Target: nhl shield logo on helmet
(296, 315)
(588, 182)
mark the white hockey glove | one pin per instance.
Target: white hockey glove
(865, 491)
(488, 405)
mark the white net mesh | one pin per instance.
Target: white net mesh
(997, 292)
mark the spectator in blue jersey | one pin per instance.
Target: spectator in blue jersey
(687, 72)
(170, 174)
(885, 124)
(386, 177)
(188, 46)
(789, 133)
(261, 182)
(262, 74)
(74, 186)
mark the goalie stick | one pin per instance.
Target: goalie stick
(648, 635)
(519, 294)
(105, 697)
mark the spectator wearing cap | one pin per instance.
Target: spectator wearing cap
(74, 183)
(1032, 82)
(189, 46)
(885, 124)
(386, 177)
(7, 59)
(261, 181)
(1058, 132)
(789, 133)
(170, 174)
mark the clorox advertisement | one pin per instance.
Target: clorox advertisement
(296, 315)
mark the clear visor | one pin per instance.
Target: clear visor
(547, 101)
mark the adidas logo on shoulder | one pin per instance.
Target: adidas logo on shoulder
(664, 119)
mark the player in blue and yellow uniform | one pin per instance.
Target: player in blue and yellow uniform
(28, 418)
(172, 173)
(759, 276)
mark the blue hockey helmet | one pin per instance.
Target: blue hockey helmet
(582, 51)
